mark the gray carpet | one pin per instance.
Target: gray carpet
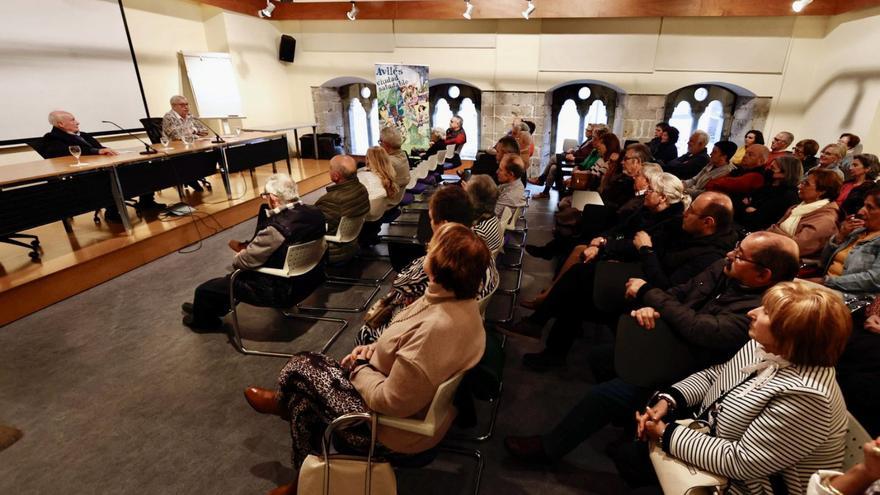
(115, 395)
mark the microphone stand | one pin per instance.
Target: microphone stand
(148, 151)
(217, 139)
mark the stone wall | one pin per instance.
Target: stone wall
(639, 114)
(750, 113)
(328, 110)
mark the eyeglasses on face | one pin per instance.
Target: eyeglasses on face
(739, 256)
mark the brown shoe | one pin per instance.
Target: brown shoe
(541, 195)
(284, 490)
(263, 400)
(522, 328)
(526, 448)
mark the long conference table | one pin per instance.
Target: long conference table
(45, 191)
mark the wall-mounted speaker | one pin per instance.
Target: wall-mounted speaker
(287, 48)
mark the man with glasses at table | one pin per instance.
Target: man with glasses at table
(708, 313)
(281, 222)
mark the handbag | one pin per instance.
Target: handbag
(580, 180)
(338, 474)
(678, 477)
(380, 313)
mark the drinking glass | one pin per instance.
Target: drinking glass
(76, 152)
(237, 131)
(188, 139)
(164, 140)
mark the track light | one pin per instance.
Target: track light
(353, 13)
(267, 12)
(468, 9)
(798, 5)
(531, 8)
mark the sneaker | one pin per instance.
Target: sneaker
(541, 195)
(522, 328)
(543, 361)
(542, 252)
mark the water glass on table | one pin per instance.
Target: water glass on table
(75, 151)
(164, 140)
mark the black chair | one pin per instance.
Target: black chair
(650, 358)
(153, 127)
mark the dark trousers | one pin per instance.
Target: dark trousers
(570, 302)
(605, 402)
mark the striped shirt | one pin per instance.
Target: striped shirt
(793, 425)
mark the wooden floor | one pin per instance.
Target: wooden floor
(94, 253)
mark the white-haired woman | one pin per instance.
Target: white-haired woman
(281, 222)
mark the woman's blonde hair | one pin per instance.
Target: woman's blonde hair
(671, 188)
(836, 148)
(811, 323)
(380, 163)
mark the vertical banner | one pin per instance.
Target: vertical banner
(402, 92)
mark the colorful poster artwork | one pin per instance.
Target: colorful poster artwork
(403, 102)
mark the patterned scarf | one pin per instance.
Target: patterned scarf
(766, 367)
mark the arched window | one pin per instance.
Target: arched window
(357, 122)
(707, 107)
(442, 114)
(573, 106)
(568, 124)
(470, 116)
(460, 99)
(361, 118)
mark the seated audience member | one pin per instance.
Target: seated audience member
(852, 256)
(814, 220)
(666, 151)
(805, 150)
(779, 145)
(858, 370)
(861, 479)
(511, 192)
(483, 195)
(862, 174)
(604, 157)
(435, 338)
(379, 179)
(487, 163)
(654, 143)
(448, 204)
(553, 175)
(178, 122)
(774, 411)
(390, 140)
(65, 133)
(754, 136)
(853, 147)
(831, 157)
(709, 314)
(347, 197)
(438, 142)
(520, 132)
(569, 299)
(719, 166)
(688, 164)
(745, 179)
(455, 135)
(281, 222)
(768, 204)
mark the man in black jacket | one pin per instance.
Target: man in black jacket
(708, 313)
(282, 222)
(688, 164)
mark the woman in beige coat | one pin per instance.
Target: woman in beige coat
(814, 220)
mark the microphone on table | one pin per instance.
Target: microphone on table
(148, 151)
(217, 139)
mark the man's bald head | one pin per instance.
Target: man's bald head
(778, 253)
(715, 206)
(756, 156)
(342, 167)
(64, 120)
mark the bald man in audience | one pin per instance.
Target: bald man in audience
(65, 133)
(745, 179)
(511, 191)
(347, 197)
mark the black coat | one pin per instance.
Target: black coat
(665, 153)
(770, 204)
(687, 165)
(57, 143)
(683, 256)
(660, 226)
(856, 198)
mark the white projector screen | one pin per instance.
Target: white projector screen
(65, 55)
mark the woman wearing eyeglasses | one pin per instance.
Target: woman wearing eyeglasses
(852, 256)
(814, 220)
(774, 411)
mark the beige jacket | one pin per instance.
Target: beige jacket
(426, 344)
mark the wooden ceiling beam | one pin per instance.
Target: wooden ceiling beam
(546, 9)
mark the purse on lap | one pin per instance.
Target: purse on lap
(337, 474)
(678, 477)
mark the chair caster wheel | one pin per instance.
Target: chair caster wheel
(35, 244)
(35, 256)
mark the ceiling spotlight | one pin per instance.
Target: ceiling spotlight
(531, 8)
(267, 12)
(353, 13)
(468, 10)
(798, 5)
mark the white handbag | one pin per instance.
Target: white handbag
(678, 477)
(337, 474)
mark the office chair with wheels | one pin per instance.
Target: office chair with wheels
(301, 259)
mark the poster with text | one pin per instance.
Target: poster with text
(403, 102)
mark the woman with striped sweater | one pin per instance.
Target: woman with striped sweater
(774, 411)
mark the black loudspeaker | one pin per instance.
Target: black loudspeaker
(287, 48)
